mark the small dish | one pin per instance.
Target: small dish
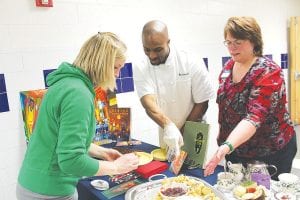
(284, 196)
(157, 177)
(225, 175)
(288, 183)
(173, 191)
(288, 178)
(100, 184)
(225, 185)
(225, 182)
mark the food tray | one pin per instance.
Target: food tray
(144, 158)
(149, 190)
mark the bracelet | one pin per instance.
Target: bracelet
(231, 149)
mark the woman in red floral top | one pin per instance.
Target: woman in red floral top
(253, 117)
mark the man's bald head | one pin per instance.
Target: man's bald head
(156, 40)
(155, 27)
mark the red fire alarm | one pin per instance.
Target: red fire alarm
(44, 3)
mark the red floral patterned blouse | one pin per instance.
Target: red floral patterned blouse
(260, 98)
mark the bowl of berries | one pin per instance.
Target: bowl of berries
(173, 190)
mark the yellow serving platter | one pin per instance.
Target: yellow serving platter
(144, 157)
(159, 154)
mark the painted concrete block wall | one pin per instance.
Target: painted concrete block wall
(34, 39)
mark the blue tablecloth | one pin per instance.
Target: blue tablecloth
(88, 192)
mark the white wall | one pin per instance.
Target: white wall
(33, 39)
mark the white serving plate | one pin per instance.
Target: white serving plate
(149, 190)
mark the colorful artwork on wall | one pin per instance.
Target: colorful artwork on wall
(30, 103)
(112, 123)
(4, 107)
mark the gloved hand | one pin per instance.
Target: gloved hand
(173, 139)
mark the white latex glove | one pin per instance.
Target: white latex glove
(173, 139)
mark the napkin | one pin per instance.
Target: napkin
(154, 167)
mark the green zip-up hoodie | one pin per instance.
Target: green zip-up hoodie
(57, 153)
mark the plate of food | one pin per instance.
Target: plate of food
(249, 190)
(180, 187)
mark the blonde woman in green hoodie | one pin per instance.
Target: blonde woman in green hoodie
(60, 151)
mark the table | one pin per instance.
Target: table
(88, 192)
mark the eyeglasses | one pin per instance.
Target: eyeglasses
(234, 43)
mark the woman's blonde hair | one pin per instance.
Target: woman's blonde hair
(97, 58)
(245, 28)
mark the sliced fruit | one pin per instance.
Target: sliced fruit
(251, 190)
(239, 191)
(248, 196)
